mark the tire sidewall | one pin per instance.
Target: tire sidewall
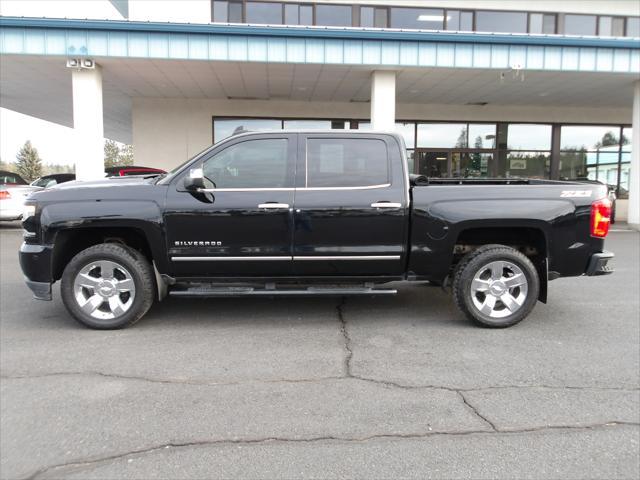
(124, 258)
(469, 271)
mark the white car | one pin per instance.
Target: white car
(13, 193)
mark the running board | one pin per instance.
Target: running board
(257, 292)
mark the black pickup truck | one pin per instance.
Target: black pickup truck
(308, 213)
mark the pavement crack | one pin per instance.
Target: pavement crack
(348, 356)
(476, 412)
(96, 461)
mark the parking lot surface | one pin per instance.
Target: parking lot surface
(325, 388)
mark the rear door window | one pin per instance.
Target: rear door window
(346, 162)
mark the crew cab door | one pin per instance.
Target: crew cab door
(241, 224)
(351, 206)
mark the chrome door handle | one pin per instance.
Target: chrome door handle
(386, 205)
(273, 206)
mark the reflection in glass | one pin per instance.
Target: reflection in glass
(482, 135)
(373, 17)
(433, 164)
(588, 137)
(411, 160)
(573, 165)
(504, 22)
(633, 27)
(625, 169)
(527, 165)
(295, 14)
(333, 15)
(264, 12)
(223, 128)
(418, 18)
(471, 165)
(446, 135)
(627, 137)
(528, 136)
(579, 24)
(542, 23)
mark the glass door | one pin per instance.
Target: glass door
(432, 164)
(473, 164)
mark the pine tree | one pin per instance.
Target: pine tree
(28, 162)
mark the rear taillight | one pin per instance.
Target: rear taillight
(600, 217)
(4, 195)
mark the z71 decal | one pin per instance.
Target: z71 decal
(575, 193)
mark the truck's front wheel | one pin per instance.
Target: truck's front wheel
(108, 286)
(496, 286)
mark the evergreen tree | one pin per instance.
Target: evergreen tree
(28, 162)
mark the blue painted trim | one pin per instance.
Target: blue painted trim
(322, 32)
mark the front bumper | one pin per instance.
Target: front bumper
(35, 261)
(599, 264)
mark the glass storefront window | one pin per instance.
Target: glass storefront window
(333, 15)
(264, 12)
(521, 136)
(229, 11)
(611, 26)
(627, 137)
(445, 135)
(625, 168)
(580, 24)
(295, 14)
(633, 26)
(542, 23)
(223, 128)
(307, 124)
(527, 164)
(482, 135)
(407, 130)
(418, 18)
(588, 137)
(459, 20)
(374, 17)
(502, 22)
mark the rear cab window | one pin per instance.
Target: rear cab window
(346, 163)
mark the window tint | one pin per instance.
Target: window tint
(250, 164)
(502, 22)
(346, 162)
(419, 18)
(333, 15)
(579, 25)
(264, 12)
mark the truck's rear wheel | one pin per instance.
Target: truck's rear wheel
(496, 286)
(108, 286)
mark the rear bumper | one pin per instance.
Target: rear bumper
(35, 261)
(599, 264)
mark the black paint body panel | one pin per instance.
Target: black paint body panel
(421, 232)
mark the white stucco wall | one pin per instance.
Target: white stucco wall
(168, 131)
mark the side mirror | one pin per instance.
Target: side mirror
(195, 179)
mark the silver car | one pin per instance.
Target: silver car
(13, 193)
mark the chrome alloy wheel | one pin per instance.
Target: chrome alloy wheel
(104, 289)
(499, 289)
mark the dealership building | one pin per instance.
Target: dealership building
(546, 89)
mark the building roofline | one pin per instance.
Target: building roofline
(352, 33)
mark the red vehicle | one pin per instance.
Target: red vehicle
(132, 170)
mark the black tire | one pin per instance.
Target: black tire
(477, 261)
(135, 264)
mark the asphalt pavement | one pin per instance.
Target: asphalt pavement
(389, 387)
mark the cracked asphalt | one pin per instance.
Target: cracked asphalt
(325, 388)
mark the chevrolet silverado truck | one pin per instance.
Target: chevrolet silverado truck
(308, 213)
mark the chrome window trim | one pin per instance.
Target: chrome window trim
(213, 190)
(288, 258)
(345, 257)
(226, 259)
(367, 187)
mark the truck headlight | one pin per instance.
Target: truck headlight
(28, 211)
